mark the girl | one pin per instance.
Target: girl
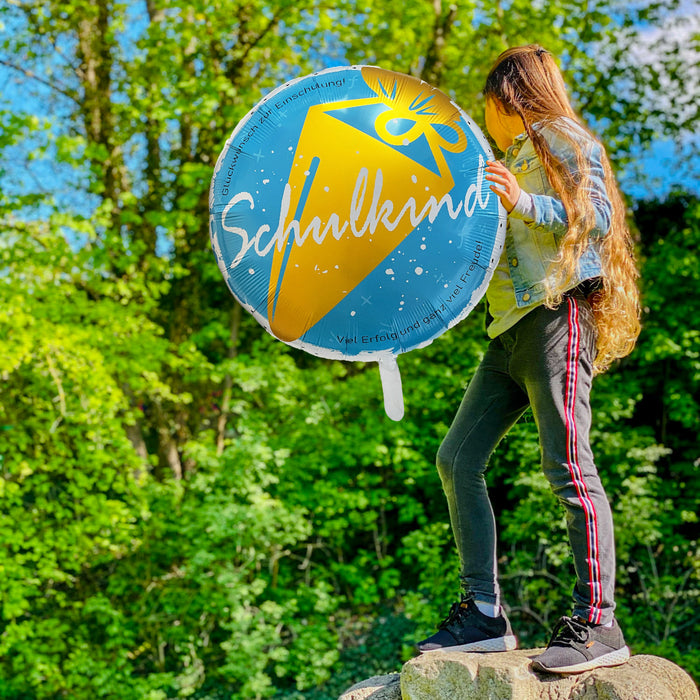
(562, 305)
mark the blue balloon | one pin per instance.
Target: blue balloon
(350, 215)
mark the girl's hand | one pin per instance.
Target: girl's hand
(508, 189)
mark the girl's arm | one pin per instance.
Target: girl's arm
(549, 213)
(543, 212)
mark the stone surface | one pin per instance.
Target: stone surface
(507, 676)
(377, 688)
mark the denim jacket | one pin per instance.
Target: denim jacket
(532, 242)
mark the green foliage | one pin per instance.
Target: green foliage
(192, 509)
(665, 561)
(69, 486)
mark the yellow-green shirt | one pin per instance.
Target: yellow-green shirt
(500, 294)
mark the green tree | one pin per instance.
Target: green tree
(194, 509)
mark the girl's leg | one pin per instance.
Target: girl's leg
(559, 388)
(491, 404)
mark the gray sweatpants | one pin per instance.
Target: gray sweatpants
(544, 361)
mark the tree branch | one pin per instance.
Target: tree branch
(31, 74)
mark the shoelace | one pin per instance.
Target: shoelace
(456, 611)
(569, 630)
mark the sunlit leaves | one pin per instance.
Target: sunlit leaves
(192, 508)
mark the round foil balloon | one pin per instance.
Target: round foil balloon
(350, 215)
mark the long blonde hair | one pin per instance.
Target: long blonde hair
(527, 81)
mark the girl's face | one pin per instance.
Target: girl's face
(502, 127)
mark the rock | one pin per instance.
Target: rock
(508, 676)
(458, 676)
(376, 688)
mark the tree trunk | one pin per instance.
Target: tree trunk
(434, 65)
(228, 379)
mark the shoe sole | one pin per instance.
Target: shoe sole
(614, 658)
(507, 643)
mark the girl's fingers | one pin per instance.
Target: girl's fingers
(505, 185)
(498, 176)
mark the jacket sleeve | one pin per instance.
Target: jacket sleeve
(546, 213)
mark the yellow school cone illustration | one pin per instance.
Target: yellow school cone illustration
(353, 197)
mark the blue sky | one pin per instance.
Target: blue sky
(654, 172)
(662, 170)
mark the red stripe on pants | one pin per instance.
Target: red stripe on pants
(574, 467)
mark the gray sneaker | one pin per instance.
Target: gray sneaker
(466, 628)
(577, 646)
